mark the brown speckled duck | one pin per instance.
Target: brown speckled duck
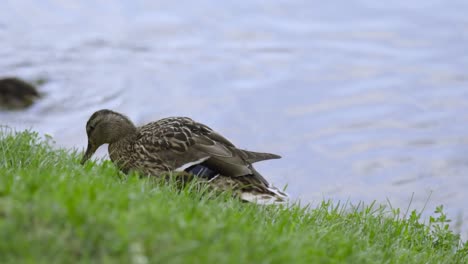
(16, 93)
(182, 145)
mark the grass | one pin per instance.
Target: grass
(53, 210)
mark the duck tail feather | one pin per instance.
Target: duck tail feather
(252, 156)
(274, 197)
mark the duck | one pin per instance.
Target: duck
(16, 93)
(180, 144)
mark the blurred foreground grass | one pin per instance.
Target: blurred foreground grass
(52, 210)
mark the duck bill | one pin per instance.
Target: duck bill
(89, 152)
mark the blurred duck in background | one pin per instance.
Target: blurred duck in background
(17, 94)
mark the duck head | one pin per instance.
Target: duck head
(106, 127)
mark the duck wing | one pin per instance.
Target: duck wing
(180, 143)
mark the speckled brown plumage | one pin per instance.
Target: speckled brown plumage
(179, 144)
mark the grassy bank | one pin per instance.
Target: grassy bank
(52, 210)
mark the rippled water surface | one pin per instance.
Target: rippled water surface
(364, 100)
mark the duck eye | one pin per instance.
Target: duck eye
(90, 128)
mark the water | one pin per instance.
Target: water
(364, 100)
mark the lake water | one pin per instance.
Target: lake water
(365, 100)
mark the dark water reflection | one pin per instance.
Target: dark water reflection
(364, 100)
